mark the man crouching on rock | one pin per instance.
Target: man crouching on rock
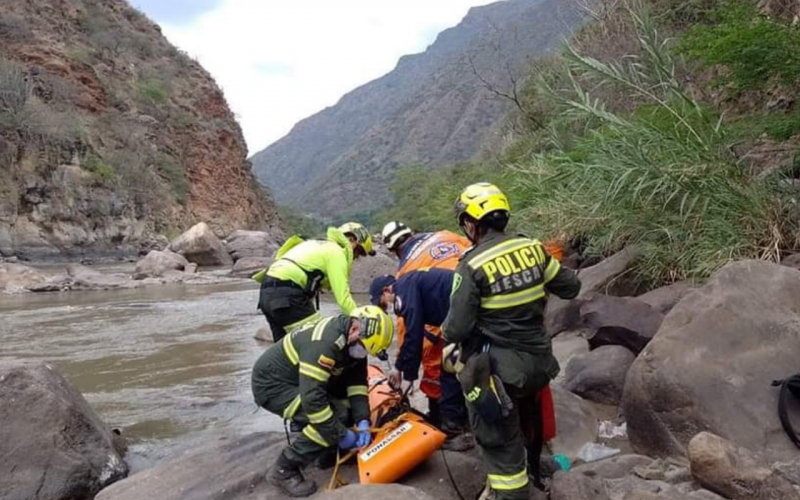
(309, 376)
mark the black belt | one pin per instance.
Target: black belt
(271, 282)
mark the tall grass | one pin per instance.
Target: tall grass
(661, 177)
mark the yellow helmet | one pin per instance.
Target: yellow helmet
(377, 329)
(361, 235)
(481, 199)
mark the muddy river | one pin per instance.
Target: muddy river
(166, 365)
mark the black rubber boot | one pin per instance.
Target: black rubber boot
(327, 459)
(286, 475)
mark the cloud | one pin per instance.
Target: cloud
(175, 11)
(279, 61)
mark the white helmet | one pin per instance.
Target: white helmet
(393, 232)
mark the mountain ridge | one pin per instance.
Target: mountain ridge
(431, 108)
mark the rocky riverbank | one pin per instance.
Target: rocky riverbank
(197, 257)
(662, 396)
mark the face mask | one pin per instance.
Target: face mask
(357, 351)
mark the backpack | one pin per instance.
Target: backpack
(788, 385)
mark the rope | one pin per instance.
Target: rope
(337, 481)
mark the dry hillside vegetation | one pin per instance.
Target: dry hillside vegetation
(109, 135)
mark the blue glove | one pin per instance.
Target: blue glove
(348, 441)
(364, 436)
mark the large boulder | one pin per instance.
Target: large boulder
(366, 269)
(15, 278)
(224, 469)
(201, 246)
(577, 423)
(605, 277)
(234, 468)
(599, 376)
(248, 266)
(710, 364)
(158, 263)
(792, 261)
(53, 446)
(665, 298)
(734, 472)
(249, 244)
(621, 321)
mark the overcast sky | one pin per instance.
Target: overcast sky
(279, 61)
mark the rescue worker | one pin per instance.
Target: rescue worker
(295, 278)
(496, 315)
(422, 250)
(312, 376)
(422, 298)
(440, 249)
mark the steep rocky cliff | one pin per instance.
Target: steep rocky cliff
(110, 136)
(433, 108)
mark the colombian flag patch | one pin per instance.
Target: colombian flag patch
(326, 362)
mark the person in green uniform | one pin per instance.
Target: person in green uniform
(317, 376)
(299, 272)
(496, 315)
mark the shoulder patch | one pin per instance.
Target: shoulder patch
(326, 362)
(340, 342)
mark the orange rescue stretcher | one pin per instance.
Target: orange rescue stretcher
(403, 439)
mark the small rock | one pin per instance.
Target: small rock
(599, 376)
(788, 470)
(191, 268)
(201, 246)
(733, 472)
(621, 321)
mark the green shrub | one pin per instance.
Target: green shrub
(661, 177)
(754, 49)
(153, 92)
(102, 170)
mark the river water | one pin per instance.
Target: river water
(167, 365)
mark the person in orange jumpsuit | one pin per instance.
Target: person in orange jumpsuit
(416, 252)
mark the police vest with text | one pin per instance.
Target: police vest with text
(515, 272)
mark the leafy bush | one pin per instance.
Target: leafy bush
(153, 92)
(661, 177)
(102, 170)
(754, 49)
